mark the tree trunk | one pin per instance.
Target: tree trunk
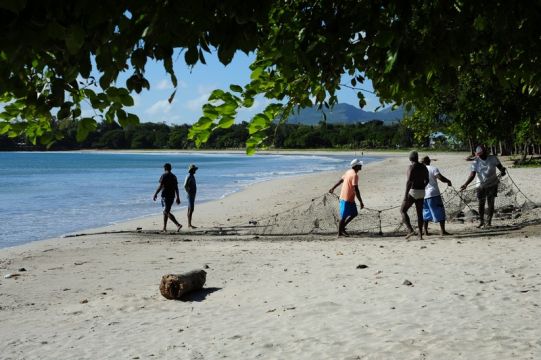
(524, 154)
(174, 286)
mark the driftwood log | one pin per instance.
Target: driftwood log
(174, 286)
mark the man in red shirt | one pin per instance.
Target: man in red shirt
(350, 190)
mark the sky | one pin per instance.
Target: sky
(196, 84)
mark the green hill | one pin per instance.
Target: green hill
(344, 114)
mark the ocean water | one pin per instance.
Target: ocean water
(49, 194)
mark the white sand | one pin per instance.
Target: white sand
(475, 295)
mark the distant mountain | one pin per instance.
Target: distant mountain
(345, 114)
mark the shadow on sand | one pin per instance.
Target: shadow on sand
(199, 295)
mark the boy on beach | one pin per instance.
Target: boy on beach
(415, 193)
(169, 188)
(191, 189)
(350, 190)
(484, 166)
(433, 209)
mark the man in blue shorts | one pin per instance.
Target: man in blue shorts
(169, 188)
(433, 209)
(350, 190)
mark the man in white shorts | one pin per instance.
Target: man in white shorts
(433, 209)
(415, 193)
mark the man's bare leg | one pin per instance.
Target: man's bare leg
(341, 228)
(426, 228)
(490, 210)
(348, 220)
(481, 212)
(442, 228)
(165, 217)
(406, 204)
(420, 222)
(190, 213)
(173, 219)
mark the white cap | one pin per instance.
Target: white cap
(356, 162)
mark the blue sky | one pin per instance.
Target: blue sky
(196, 84)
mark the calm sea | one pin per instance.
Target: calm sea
(48, 194)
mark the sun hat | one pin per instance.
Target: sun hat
(356, 162)
(192, 167)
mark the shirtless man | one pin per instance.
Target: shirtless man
(415, 194)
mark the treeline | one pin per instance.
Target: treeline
(369, 135)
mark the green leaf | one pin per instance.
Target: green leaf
(258, 123)
(14, 6)
(227, 108)
(139, 58)
(256, 73)
(226, 122)
(225, 53)
(202, 124)
(75, 37)
(236, 88)
(121, 116)
(191, 56)
(171, 97)
(63, 113)
(84, 127)
(248, 102)
(126, 100)
(55, 30)
(210, 112)
(391, 59)
(216, 95)
(4, 127)
(128, 120)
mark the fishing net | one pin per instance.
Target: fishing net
(511, 206)
(320, 215)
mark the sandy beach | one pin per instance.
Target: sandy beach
(472, 295)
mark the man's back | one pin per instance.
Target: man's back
(418, 176)
(170, 184)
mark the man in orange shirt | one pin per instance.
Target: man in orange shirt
(350, 190)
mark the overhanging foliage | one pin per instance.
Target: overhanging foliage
(413, 51)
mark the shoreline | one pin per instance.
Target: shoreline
(474, 294)
(143, 209)
(182, 209)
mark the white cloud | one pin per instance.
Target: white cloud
(197, 103)
(166, 84)
(159, 107)
(204, 92)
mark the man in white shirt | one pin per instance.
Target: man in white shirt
(433, 209)
(484, 166)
